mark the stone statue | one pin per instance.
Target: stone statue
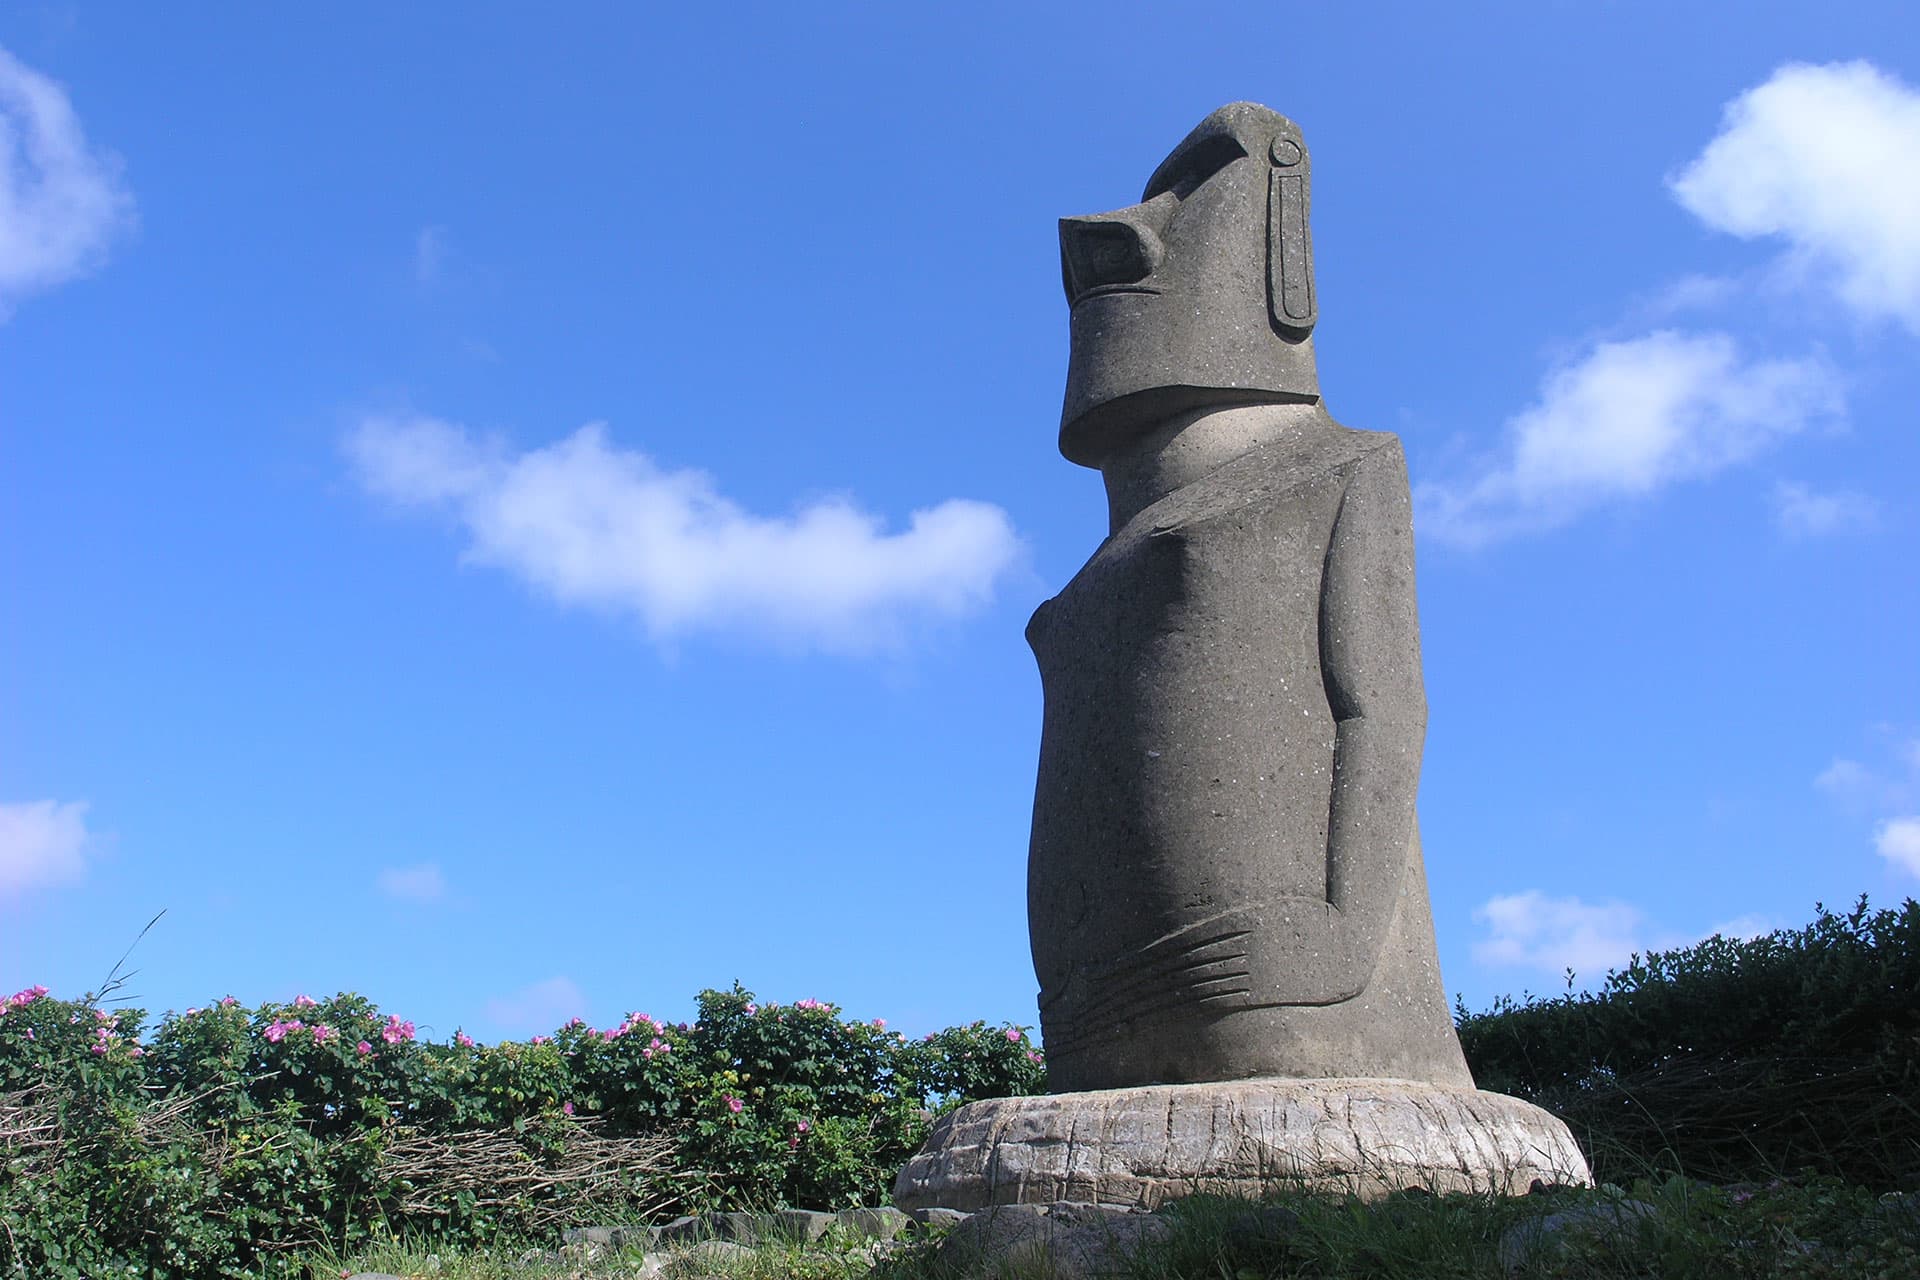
(1225, 876)
(1226, 897)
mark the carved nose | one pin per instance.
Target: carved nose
(1110, 249)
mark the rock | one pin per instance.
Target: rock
(1073, 1241)
(799, 1226)
(937, 1218)
(695, 1259)
(685, 1229)
(589, 1235)
(1143, 1147)
(1537, 1238)
(541, 1258)
(883, 1223)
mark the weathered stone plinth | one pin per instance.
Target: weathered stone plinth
(1145, 1146)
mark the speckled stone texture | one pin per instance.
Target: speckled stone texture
(1225, 877)
(1143, 1147)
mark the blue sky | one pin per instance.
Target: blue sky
(532, 515)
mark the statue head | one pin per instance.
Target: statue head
(1201, 294)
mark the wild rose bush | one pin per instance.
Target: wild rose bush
(232, 1137)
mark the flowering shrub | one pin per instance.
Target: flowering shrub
(232, 1138)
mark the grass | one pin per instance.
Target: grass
(1673, 1227)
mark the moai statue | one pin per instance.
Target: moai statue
(1225, 877)
(1226, 895)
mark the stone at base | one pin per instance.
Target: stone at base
(1144, 1146)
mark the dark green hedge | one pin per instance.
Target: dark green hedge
(1733, 1060)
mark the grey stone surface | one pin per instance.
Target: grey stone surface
(801, 1225)
(706, 1256)
(936, 1217)
(1068, 1240)
(1225, 878)
(883, 1223)
(1142, 1147)
(1200, 295)
(1538, 1239)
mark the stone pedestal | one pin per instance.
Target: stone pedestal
(1145, 1146)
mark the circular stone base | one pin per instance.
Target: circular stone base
(1145, 1146)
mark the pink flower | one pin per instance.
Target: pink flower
(227, 1001)
(733, 1104)
(542, 1040)
(751, 1010)
(1013, 1035)
(880, 1024)
(803, 1126)
(462, 1039)
(363, 1048)
(30, 1034)
(1032, 1056)
(395, 1031)
(320, 1032)
(276, 1031)
(191, 1012)
(577, 1022)
(304, 1002)
(99, 1048)
(566, 1108)
(793, 1143)
(137, 1051)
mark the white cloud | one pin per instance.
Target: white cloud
(538, 1008)
(42, 842)
(1850, 782)
(1803, 513)
(1743, 928)
(429, 254)
(1693, 292)
(422, 883)
(1532, 930)
(61, 204)
(1629, 418)
(1860, 788)
(592, 524)
(1898, 841)
(1823, 156)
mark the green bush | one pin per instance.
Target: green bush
(234, 1139)
(1733, 1060)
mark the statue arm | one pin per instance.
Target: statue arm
(1370, 662)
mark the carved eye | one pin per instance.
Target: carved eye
(1190, 169)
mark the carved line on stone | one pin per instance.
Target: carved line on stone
(1290, 297)
(1123, 980)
